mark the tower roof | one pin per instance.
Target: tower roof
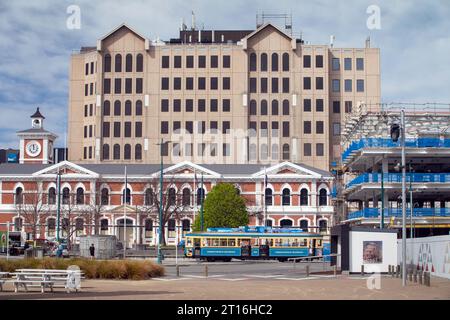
(37, 114)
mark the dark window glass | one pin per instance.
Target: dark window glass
(226, 61)
(106, 108)
(274, 85)
(164, 83)
(319, 61)
(138, 152)
(139, 63)
(214, 83)
(202, 61)
(177, 62)
(319, 83)
(107, 63)
(189, 61)
(116, 129)
(138, 85)
(306, 127)
(176, 126)
(307, 83)
(176, 105)
(348, 85)
(335, 64)
(225, 127)
(117, 108)
(201, 105)
(319, 149)
(189, 105)
(92, 67)
(165, 62)
(128, 85)
(264, 108)
(214, 61)
(118, 63)
(138, 129)
(360, 85)
(336, 107)
(307, 149)
(226, 105)
(253, 61)
(285, 129)
(139, 108)
(127, 129)
(307, 61)
(189, 83)
(253, 111)
(359, 64)
(319, 127)
(285, 61)
(263, 85)
(319, 105)
(214, 105)
(201, 83)
(106, 127)
(252, 84)
(306, 105)
(190, 126)
(86, 89)
(165, 105)
(286, 152)
(285, 107)
(274, 61)
(164, 127)
(274, 107)
(226, 83)
(336, 85)
(106, 86)
(304, 200)
(117, 86)
(105, 154)
(129, 63)
(286, 198)
(285, 85)
(347, 63)
(116, 152)
(177, 83)
(263, 62)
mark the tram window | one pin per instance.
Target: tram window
(270, 242)
(197, 242)
(215, 242)
(205, 242)
(223, 242)
(277, 242)
(188, 242)
(231, 242)
(319, 243)
(303, 243)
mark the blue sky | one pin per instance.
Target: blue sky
(35, 44)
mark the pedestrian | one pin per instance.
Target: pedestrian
(92, 251)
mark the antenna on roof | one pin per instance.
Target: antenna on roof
(193, 20)
(332, 38)
(368, 42)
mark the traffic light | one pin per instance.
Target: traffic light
(395, 132)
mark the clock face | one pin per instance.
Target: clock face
(33, 148)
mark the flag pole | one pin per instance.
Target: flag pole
(125, 194)
(201, 203)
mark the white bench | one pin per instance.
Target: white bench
(48, 278)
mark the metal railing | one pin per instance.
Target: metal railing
(397, 212)
(397, 178)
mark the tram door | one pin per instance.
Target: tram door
(313, 247)
(246, 248)
(196, 247)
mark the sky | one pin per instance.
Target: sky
(36, 44)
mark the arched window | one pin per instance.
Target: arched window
(139, 108)
(323, 226)
(126, 196)
(128, 108)
(304, 197)
(107, 63)
(127, 152)
(171, 227)
(268, 195)
(19, 196)
(286, 197)
(105, 151)
(274, 107)
(116, 155)
(106, 108)
(264, 151)
(264, 107)
(269, 223)
(263, 62)
(80, 196)
(252, 151)
(172, 197)
(285, 107)
(51, 224)
(66, 196)
(253, 108)
(304, 225)
(104, 226)
(275, 151)
(286, 223)
(105, 197)
(139, 63)
(274, 61)
(129, 63)
(18, 223)
(200, 195)
(118, 63)
(117, 108)
(186, 197)
(79, 226)
(148, 228)
(285, 61)
(148, 199)
(285, 151)
(51, 195)
(323, 197)
(65, 226)
(186, 226)
(253, 61)
(138, 152)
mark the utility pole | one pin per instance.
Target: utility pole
(382, 199)
(201, 204)
(160, 204)
(58, 208)
(403, 133)
(411, 202)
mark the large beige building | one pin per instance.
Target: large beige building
(128, 93)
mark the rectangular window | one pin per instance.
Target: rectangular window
(359, 64)
(214, 61)
(226, 61)
(264, 131)
(139, 86)
(202, 61)
(213, 149)
(213, 125)
(86, 69)
(307, 61)
(336, 107)
(117, 86)
(319, 127)
(252, 84)
(177, 62)
(165, 105)
(201, 127)
(348, 85)
(306, 127)
(306, 105)
(360, 85)
(201, 149)
(226, 83)
(84, 157)
(91, 89)
(285, 129)
(86, 89)
(190, 126)
(116, 129)
(165, 62)
(285, 85)
(85, 131)
(307, 83)
(128, 85)
(335, 64)
(176, 126)
(214, 105)
(165, 83)
(165, 150)
(90, 152)
(348, 106)
(188, 147)
(252, 127)
(177, 83)
(319, 83)
(336, 129)
(189, 105)
(90, 131)
(106, 86)
(85, 110)
(263, 85)
(201, 83)
(319, 149)
(201, 105)
(274, 85)
(164, 127)
(176, 105)
(275, 128)
(307, 149)
(336, 85)
(214, 83)
(319, 105)
(226, 149)
(91, 109)
(189, 61)
(138, 129)
(347, 64)
(319, 61)
(226, 105)
(189, 83)
(225, 127)
(92, 67)
(127, 131)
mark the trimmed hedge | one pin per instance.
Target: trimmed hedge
(93, 269)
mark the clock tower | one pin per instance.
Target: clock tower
(36, 144)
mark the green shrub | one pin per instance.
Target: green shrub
(92, 269)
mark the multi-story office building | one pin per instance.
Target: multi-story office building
(373, 179)
(255, 96)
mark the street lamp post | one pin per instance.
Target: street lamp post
(159, 258)
(58, 208)
(403, 133)
(411, 202)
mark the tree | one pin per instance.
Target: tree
(93, 211)
(223, 207)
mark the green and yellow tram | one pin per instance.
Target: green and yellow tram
(252, 243)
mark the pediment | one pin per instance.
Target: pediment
(67, 169)
(288, 169)
(188, 168)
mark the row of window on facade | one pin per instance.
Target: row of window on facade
(201, 83)
(189, 127)
(201, 105)
(117, 110)
(319, 62)
(264, 128)
(201, 61)
(90, 89)
(264, 85)
(127, 129)
(128, 63)
(118, 85)
(127, 148)
(286, 151)
(185, 197)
